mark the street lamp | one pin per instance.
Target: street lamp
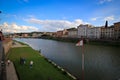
(0, 19)
(1, 35)
(2, 57)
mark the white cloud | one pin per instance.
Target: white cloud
(5, 24)
(11, 28)
(104, 1)
(94, 19)
(54, 25)
(109, 18)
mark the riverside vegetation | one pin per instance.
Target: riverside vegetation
(41, 70)
(115, 43)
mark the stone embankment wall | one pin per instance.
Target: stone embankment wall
(7, 43)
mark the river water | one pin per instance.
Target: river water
(101, 62)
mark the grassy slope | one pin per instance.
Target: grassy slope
(41, 70)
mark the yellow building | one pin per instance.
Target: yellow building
(107, 32)
(117, 30)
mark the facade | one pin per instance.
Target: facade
(117, 30)
(37, 34)
(59, 33)
(73, 33)
(97, 32)
(82, 30)
(15, 35)
(25, 35)
(0, 28)
(65, 33)
(90, 33)
(1, 36)
(34, 35)
(107, 32)
(48, 33)
(54, 34)
(94, 33)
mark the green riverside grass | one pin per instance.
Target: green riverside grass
(41, 70)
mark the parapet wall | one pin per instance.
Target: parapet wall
(7, 43)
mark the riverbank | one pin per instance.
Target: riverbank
(7, 43)
(41, 70)
(101, 62)
(105, 43)
(115, 43)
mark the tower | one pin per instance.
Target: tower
(106, 24)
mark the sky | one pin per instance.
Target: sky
(54, 15)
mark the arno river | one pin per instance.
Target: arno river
(101, 62)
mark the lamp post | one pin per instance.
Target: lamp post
(0, 13)
(2, 58)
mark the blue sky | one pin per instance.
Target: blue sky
(53, 15)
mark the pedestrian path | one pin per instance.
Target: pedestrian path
(16, 44)
(10, 72)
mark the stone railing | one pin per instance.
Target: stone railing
(7, 43)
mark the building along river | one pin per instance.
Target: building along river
(101, 62)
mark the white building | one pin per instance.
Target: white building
(37, 34)
(72, 32)
(94, 33)
(82, 30)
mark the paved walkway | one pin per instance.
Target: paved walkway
(16, 44)
(10, 70)
(0, 58)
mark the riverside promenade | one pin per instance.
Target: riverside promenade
(4, 47)
(42, 69)
(10, 72)
(10, 69)
(2, 63)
